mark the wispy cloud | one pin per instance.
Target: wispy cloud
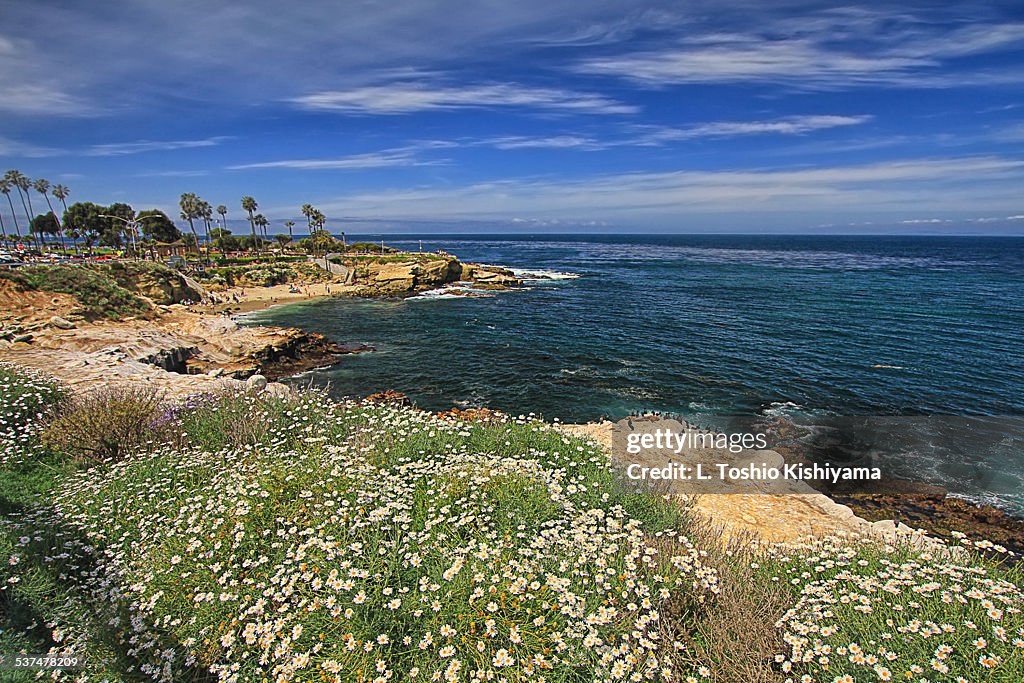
(406, 157)
(550, 142)
(809, 55)
(143, 146)
(950, 184)
(789, 125)
(29, 99)
(408, 97)
(648, 135)
(16, 148)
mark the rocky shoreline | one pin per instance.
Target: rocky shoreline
(189, 349)
(197, 347)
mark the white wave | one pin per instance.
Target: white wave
(455, 291)
(783, 409)
(543, 274)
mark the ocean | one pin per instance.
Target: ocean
(791, 327)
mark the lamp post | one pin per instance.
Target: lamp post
(132, 225)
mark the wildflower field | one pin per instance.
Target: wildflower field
(240, 537)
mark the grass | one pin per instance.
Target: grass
(303, 539)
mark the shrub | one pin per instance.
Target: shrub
(108, 424)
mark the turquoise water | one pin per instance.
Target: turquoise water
(706, 326)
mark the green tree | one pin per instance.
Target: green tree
(91, 223)
(282, 240)
(6, 187)
(307, 211)
(191, 207)
(206, 213)
(42, 186)
(21, 183)
(61, 192)
(223, 211)
(114, 230)
(44, 224)
(157, 225)
(249, 205)
(290, 225)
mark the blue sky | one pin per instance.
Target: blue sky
(552, 115)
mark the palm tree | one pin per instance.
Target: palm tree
(6, 186)
(206, 213)
(307, 211)
(61, 192)
(74, 233)
(18, 180)
(261, 224)
(189, 204)
(223, 211)
(290, 225)
(249, 205)
(43, 187)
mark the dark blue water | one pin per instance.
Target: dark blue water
(711, 325)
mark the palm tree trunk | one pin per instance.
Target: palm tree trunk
(60, 228)
(28, 213)
(208, 245)
(14, 215)
(193, 229)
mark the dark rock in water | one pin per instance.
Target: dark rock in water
(302, 352)
(940, 515)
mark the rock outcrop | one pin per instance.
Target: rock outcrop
(405, 278)
(162, 285)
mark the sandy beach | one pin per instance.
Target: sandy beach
(249, 299)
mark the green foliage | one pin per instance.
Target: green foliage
(91, 222)
(155, 224)
(370, 247)
(260, 273)
(45, 224)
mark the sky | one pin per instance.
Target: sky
(534, 116)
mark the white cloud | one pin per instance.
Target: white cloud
(29, 99)
(407, 97)
(552, 142)
(16, 148)
(789, 125)
(387, 158)
(735, 59)
(658, 135)
(952, 184)
(142, 146)
(823, 52)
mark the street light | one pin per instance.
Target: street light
(133, 224)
